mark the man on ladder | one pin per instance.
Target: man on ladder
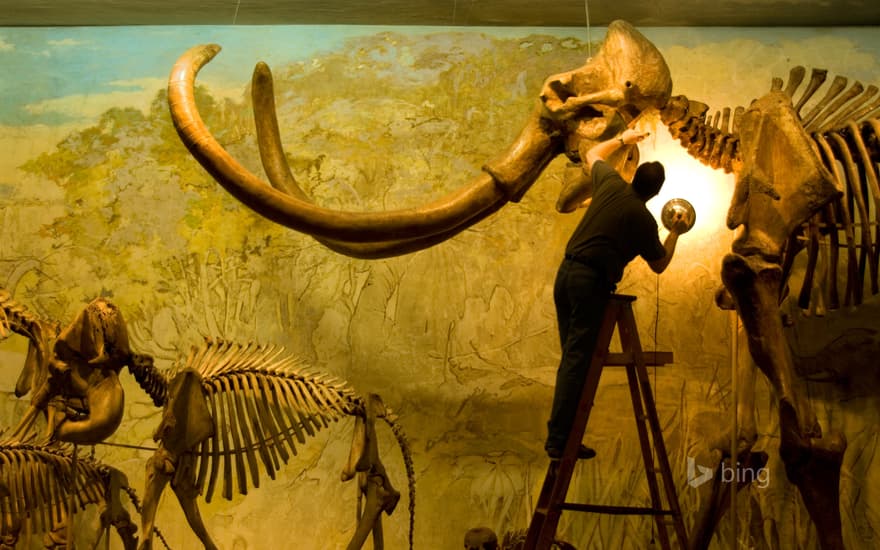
(616, 228)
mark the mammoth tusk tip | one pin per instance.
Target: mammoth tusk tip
(262, 70)
(208, 51)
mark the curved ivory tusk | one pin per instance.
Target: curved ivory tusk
(278, 171)
(269, 135)
(397, 247)
(427, 223)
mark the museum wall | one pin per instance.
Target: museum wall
(99, 198)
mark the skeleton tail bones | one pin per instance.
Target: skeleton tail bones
(240, 409)
(391, 420)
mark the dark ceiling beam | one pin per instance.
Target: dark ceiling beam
(560, 13)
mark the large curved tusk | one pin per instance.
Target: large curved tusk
(269, 135)
(278, 171)
(387, 249)
(446, 215)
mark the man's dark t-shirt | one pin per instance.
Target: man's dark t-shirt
(616, 228)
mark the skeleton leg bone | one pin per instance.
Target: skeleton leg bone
(714, 497)
(378, 499)
(124, 528)
(754, 284)
(160, 468)
(373, 481)
(813, 465)
(113, 513)
(185, 489)
(812, 461)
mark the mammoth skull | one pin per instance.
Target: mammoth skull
(578, 109)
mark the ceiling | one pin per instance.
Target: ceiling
(560, 13)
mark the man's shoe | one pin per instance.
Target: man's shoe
(584, 453)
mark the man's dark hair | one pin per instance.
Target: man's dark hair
(649, 179)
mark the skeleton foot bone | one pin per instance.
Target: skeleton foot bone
(813, 465)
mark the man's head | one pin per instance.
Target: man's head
(649, 179)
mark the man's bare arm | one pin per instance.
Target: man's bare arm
(679, 226)
(659, 266)
(604, 149)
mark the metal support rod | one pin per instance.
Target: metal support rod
(734, 361)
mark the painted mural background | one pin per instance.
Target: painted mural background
(100, 199)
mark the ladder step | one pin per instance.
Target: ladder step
(614, 510)
(625, 358)
(551, 503)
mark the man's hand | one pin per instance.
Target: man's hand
(679, 224)
(631, 136)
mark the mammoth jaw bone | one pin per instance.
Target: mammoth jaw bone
(362, 234)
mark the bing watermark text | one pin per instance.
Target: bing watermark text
(698, 475)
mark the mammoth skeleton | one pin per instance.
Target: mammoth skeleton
(234, 410)
(230, 411)
(787, 175)
(72, 374)
(805, 180)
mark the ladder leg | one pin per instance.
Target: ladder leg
(540, 517)
(629, 340)
(545, 520)
(640, 383)
(542, 529)
(647, 454)
(662, 457)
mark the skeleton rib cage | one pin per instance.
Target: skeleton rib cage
(36, 481)
(844, 128)
(263, 402)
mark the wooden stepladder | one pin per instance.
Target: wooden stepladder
(551, 502)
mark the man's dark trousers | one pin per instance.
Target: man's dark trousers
(581, 293)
